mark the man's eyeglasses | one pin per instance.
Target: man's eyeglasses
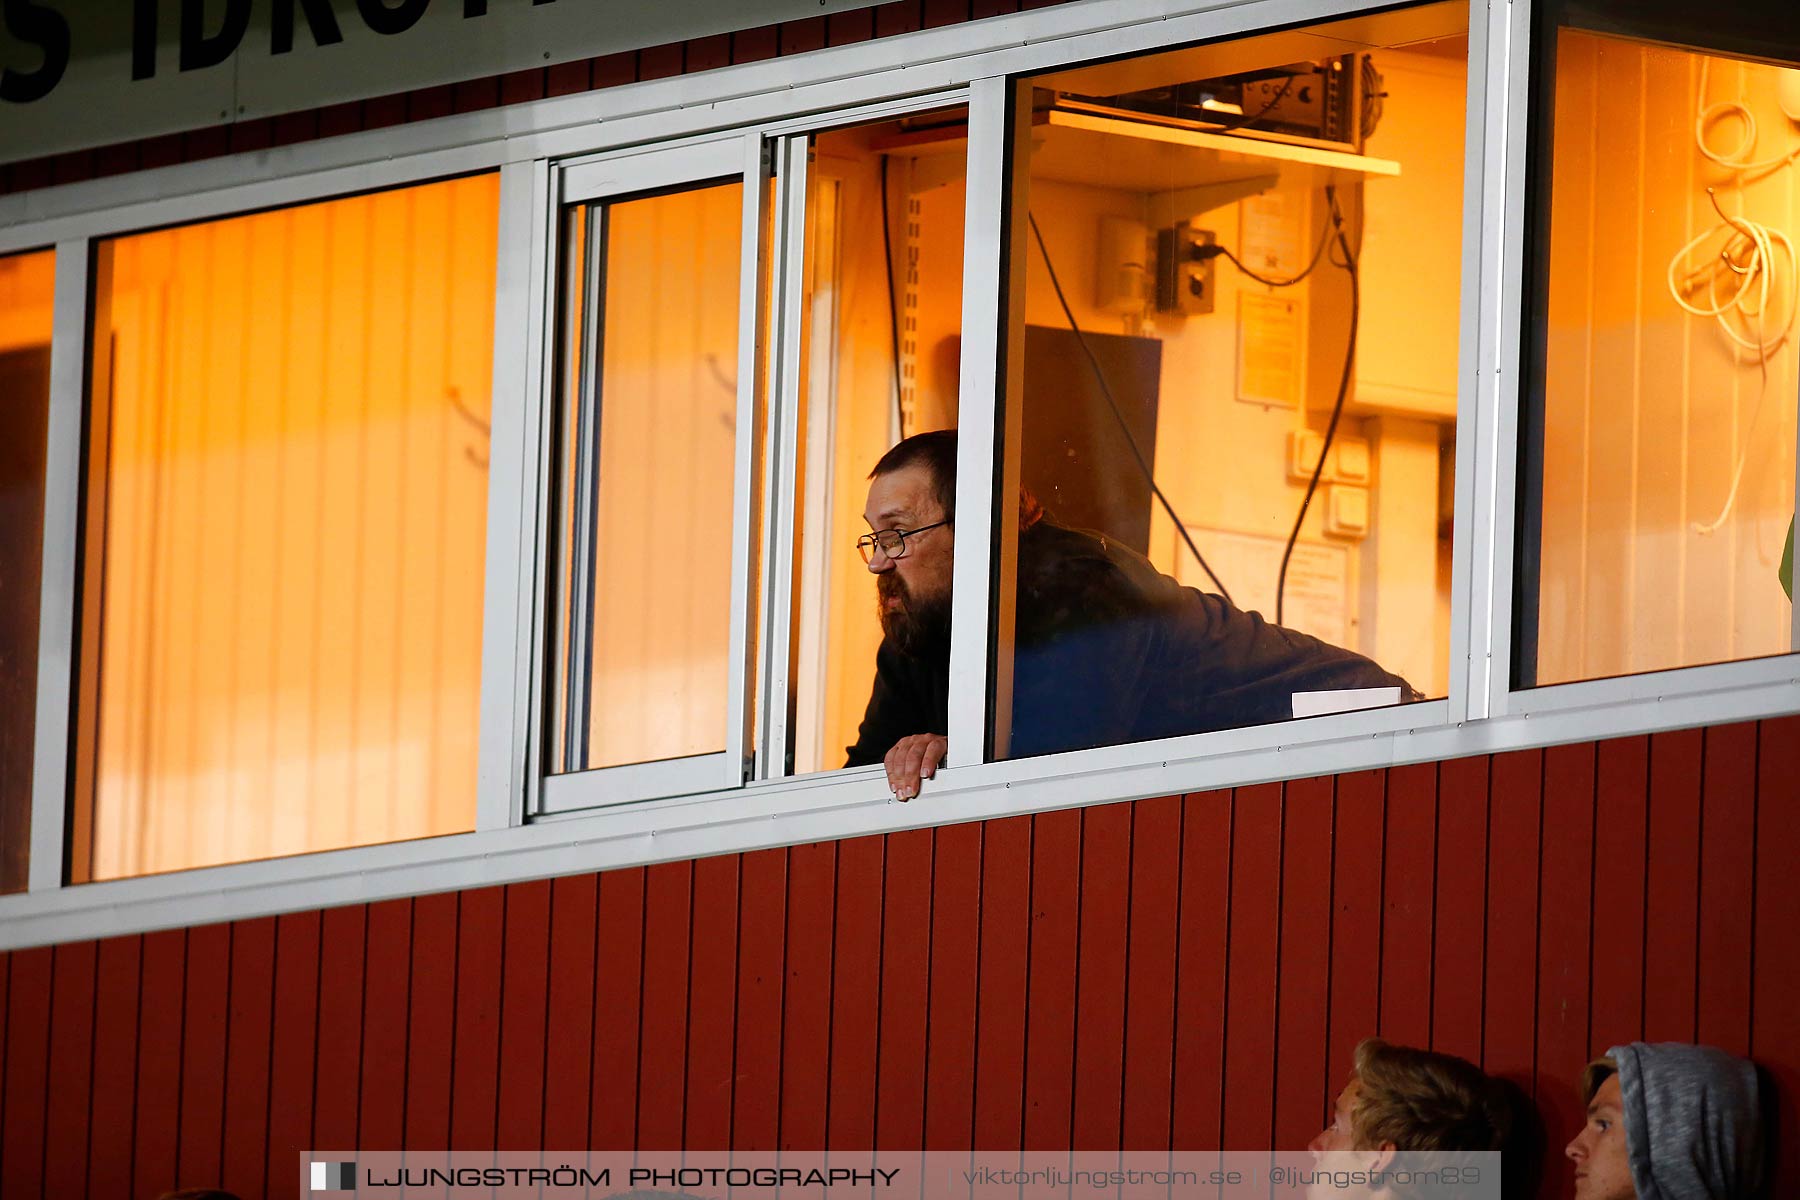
(892, 542)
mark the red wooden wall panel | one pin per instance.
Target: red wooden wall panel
(156, 1115)
(71, 1069)
(1251, 967)
(569, 1011)
(524, 1018)
(381, 1117)
(27, 1068)
(1050, 982)
(761, 978)
(109, 1165)
(1150, 961)
(1197, 1112)
(662, 1046)
(905, 991)
(247, 1063)
(1102, 940)
(1775, 998)
(712, 1006)
(1188, 971)
(1727, 888)
(1303, 973)
(617, 1003)
(855, 991)
(956, 899)
(1357, 869)
(1004, 973)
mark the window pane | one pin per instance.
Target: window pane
(26, 283)
(883, 318)
(286, 531)
(649, 441)
(1236, 255)
(1659, 489)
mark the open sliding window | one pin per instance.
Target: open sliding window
(1657, 483)
(870, 280)
(285, 519)
(1231, 384)
(654, 437)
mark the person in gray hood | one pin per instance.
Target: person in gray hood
(1669, 1121)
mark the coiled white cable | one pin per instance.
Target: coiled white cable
(1748, 257)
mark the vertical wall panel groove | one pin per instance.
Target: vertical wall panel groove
(524, 1018)
(1672, 904)
(904, 996)
(662, 1049)
(762, 976)
(1775, 1001)
(1251, 966)
(71, 1069)
(1723, 968)
(27, 1068)
(381, 1118)
(712, 1004)
(1147, 1075)
(806, 1001)
(1303, 971)
(1407, 918)
(1196, 1118)
(1050, 984)
(1620, 847)
(1103, 938)
(1513, 926)
(1004, 971)
(569, 1011)
(618, 1005)
(855, 989)
(248, 1063)
(1459, 912)
(957, 905)
(1357, 867)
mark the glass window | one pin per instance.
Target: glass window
(1236, 401)
(881, 313)
(26, 284)
(1657, 494)
(286, 524)
(647, 446)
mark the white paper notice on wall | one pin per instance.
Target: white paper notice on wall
(1318, 580)
(1269, 234)
(1269, 357)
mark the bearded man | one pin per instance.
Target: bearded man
(1106, 648)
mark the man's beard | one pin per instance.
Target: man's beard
(916, 627)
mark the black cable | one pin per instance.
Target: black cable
(1280, 95)
(1337, 409)
(1215, 248)
(887, 249)
(1119, 416)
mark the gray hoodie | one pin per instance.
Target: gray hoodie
(1693, 1127)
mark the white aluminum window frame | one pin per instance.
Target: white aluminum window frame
(521, 834)
(596, 181)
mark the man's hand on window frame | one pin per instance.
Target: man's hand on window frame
(913, 759)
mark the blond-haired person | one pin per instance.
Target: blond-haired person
(1401, 1099)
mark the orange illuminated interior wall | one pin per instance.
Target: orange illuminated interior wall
(664, 532)
(286, 519)
(26, 285)
(1647, 407)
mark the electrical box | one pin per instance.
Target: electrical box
(1184, 279)
(1347, 511)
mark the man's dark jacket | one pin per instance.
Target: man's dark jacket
(1110, 650)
